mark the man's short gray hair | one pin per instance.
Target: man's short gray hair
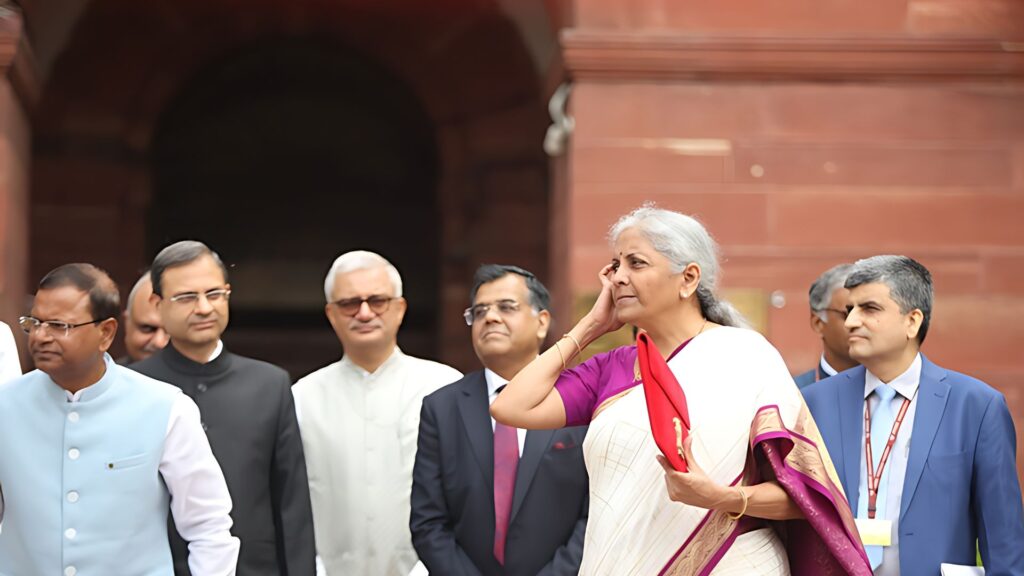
(361, 260)
(135, 292)
(820, 294)
(909, 282)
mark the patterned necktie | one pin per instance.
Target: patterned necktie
(882, 419)
(506, 462)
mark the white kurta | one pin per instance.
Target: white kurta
(10, 365)
(359, 434)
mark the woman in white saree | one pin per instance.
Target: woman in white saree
(760, 495)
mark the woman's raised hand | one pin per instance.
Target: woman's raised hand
(602, 315)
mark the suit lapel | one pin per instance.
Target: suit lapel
(476, 417)
(851, 430)
(932, 394)
(536, 444)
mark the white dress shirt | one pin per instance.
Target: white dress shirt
(10, 365)
(493, 383)
(826, 367)
(906, 385)
(200, 501)
(359, 431)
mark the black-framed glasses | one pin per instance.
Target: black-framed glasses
(842, 313)
(478, 311)
(378, 304)
(191, 298)
(56, 327)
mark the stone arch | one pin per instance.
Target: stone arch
(125, 66)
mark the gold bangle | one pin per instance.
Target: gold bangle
(743, 510)
(560, 355)
(579, 349)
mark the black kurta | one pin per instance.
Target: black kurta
(249, 416)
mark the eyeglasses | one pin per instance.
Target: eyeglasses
(842, 313)
(479, 311)
(378, 304)
(192, 298)
(55, 327)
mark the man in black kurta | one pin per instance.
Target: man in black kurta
(247, 411)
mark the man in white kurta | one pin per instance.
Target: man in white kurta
(359, 419)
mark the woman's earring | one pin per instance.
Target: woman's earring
(684, 295)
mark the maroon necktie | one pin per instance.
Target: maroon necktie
(506, 460)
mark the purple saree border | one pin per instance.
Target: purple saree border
(798, 476)
(717, 556)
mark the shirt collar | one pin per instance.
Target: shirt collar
(826, 367)
(216, 351)
(94, 390)
(905, 384)
(493, 382)
(395, 357)
(219, 362)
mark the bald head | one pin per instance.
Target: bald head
(143, 331)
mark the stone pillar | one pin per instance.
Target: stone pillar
(15, 151)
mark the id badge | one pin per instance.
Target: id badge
(874, 532)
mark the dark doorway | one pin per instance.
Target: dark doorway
(283, 156)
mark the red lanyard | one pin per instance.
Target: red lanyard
(875, 480)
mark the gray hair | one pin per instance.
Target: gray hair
(179, 254)
(135, 292)
(683, 240)
(909, 282)
(361, 260)
(820, 294)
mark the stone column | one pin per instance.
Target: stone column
(15, 153)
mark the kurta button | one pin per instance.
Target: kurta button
(70, 571)
(201, 387)
(72, 496)
(73, 417)
(70, 533)
(203, 424)
(74, 453)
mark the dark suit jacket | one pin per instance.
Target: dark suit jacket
(249, 416)
(810, 377)
(961, 480)
(452, 519)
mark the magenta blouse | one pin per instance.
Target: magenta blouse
(588, 385)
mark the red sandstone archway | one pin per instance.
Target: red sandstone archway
(478, 76)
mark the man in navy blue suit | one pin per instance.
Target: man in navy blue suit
(927, 456)
(488, 499)
(828, 299)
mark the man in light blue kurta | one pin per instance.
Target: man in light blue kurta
(93, 454)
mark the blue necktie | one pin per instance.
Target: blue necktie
(882, 419)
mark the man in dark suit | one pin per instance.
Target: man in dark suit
(247, 411)
(941, 444)
(488, 499)
(828, 299)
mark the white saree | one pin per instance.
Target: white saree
(731, 378)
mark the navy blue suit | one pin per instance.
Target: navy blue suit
(452, 520)
(961, 480)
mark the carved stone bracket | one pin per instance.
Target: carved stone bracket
(624, 56)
